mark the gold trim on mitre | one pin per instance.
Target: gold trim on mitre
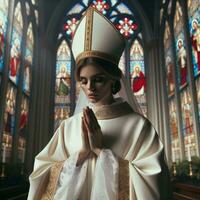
(96, 54)
(88, 30)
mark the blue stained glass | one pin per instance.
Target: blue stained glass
(3, 27)
(124, 9)
(113, 13)
(119, 14)
(28, 60)
(78, 8)
(181, 58)
(85, 2)
(15, 52)
(113, 19)
(194, 26)
(169, 64)
(15, 56)
(113, 2)
(137, 75)
(63, 72)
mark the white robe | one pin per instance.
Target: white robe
(126, 136)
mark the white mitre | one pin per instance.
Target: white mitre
(96, 36)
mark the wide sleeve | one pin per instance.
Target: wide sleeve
(48, 164)
(71, 179)
(148, 171)
(105, 185)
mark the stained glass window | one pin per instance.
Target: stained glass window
(169, 64)
(198, 95)
(174, 131)
(23, 129)
(101, 5)
(3, 27)
(15, 53)
(28, 60)
(63, 83)
(194, 26)
(70, 26)
(122, 17)
(8, 123)
(187, 118)
(180, 46)
(137, 74)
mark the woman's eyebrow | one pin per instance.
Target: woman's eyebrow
(99, 74)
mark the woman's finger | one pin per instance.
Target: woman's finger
(87, 117)
(94, 119)
(83, 126)
(85, 135)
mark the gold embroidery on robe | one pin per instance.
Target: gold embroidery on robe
(123, 180)
(53, 180)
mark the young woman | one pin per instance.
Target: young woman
(106, 150)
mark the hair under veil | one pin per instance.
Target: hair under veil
(125, 93)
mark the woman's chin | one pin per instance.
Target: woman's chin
(91, 100)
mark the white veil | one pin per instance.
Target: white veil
(125, 93)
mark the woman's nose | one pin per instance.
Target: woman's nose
(91, 85)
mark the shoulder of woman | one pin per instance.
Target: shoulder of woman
(71, 119)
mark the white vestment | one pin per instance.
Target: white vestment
(131, 148)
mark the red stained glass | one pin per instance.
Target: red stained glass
(127, 27)
(70, 26)
(101, 6)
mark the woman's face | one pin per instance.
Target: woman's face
(96, 85)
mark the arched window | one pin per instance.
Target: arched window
(63, 84)
(137, 74)
(170, 85)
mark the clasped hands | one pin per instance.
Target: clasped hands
(91, 135)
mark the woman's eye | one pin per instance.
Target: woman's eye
(83, 82)
(99, 79)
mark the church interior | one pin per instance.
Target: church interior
(38, 90)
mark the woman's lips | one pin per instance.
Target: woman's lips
(92, 96)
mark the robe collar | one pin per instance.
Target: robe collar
(114, 110)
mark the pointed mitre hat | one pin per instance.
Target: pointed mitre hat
(96, 36)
